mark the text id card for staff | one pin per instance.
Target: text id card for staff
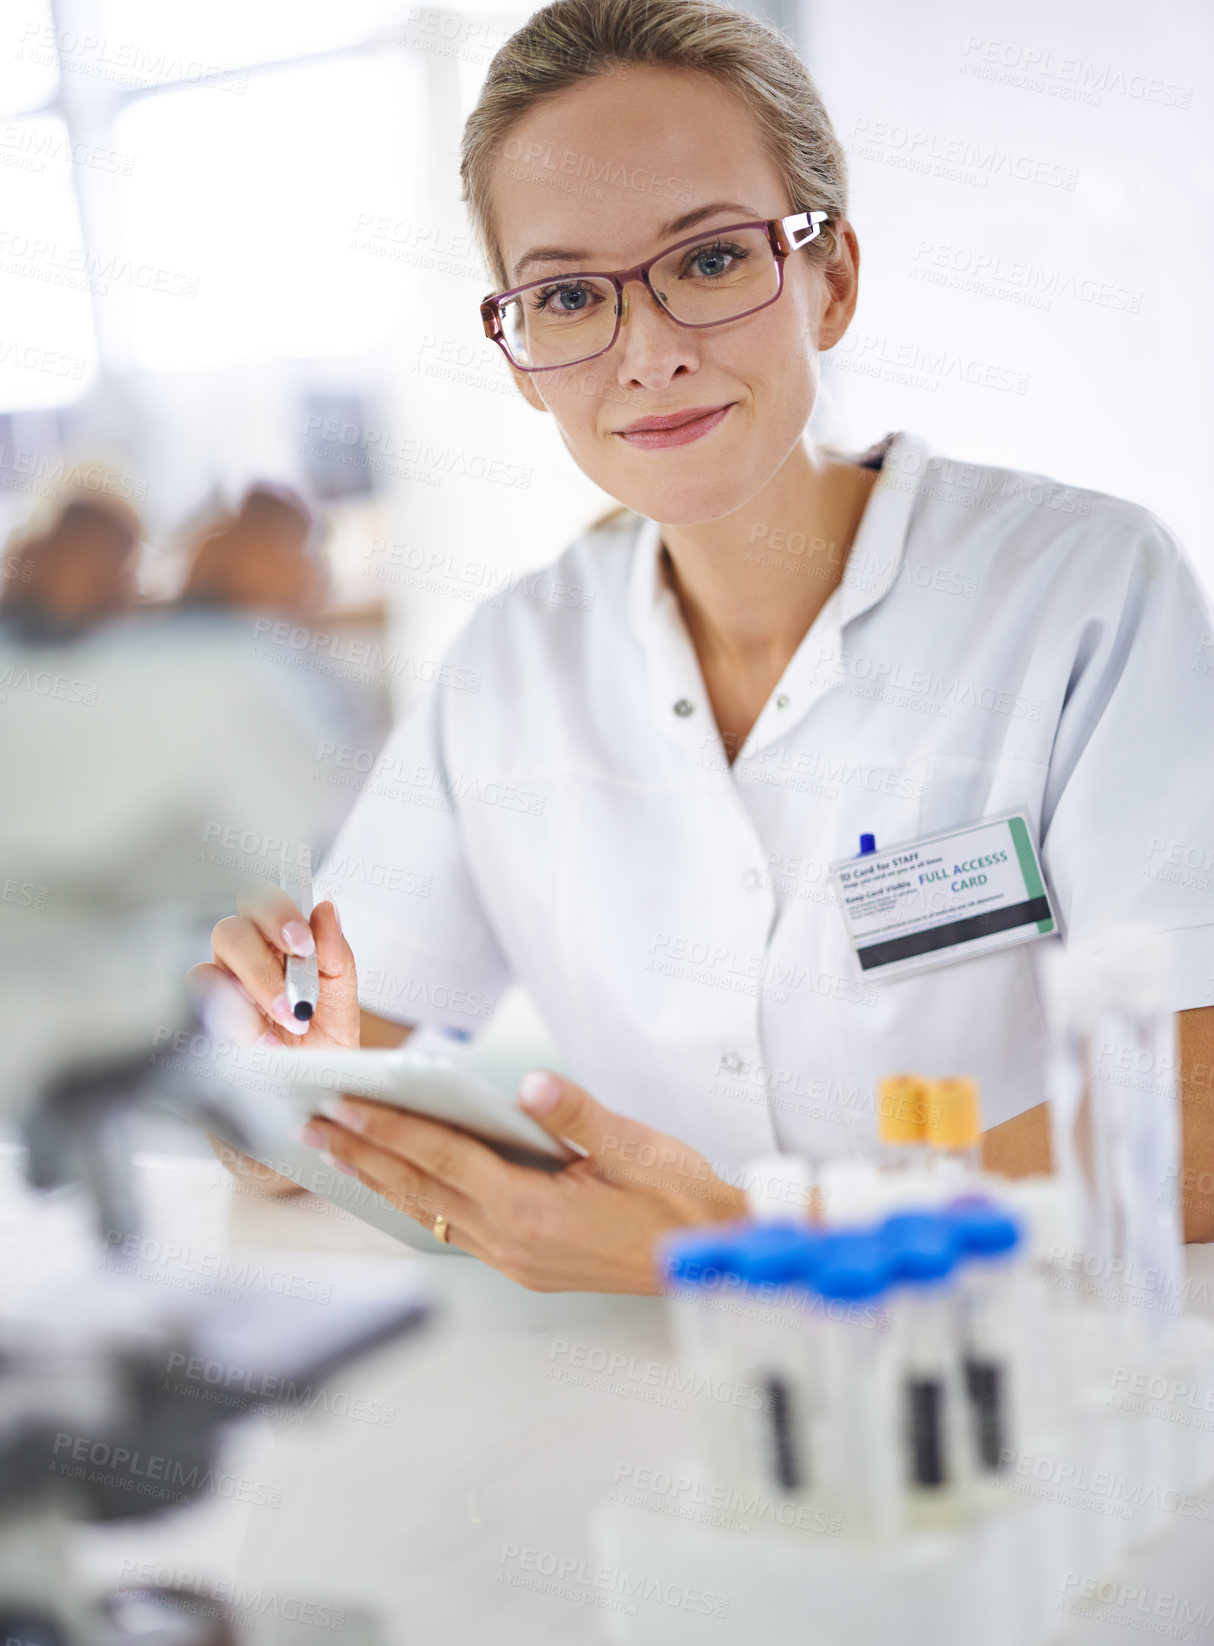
(946, 897)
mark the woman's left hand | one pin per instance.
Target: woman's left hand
(592, 1227)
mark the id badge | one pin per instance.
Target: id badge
(946, 897)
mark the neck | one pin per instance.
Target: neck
(751, 584)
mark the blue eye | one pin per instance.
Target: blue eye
(574, 298)
(714, 260)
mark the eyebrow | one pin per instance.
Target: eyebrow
(557, 254)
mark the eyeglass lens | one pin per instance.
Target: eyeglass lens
(572, 316)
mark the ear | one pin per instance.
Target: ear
(842, 275)
(526, 387)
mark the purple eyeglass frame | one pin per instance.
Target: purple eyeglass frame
(784, 234)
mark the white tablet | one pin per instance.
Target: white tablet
(426, 1083)
(263, 1093)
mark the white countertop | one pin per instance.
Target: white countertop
(445, 1455)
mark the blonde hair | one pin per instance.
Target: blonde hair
(572, 40)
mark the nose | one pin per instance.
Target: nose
(651, 348)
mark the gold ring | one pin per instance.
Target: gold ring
(440, 1228)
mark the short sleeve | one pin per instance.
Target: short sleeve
(1128, 815)
(398, 872)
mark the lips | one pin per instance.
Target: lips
(674, 428)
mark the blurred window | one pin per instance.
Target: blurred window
(29, 56)
(194, 40)
(242, 205)
(229, 150)
(48, 349)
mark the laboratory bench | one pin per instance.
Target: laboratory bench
(449, 1480)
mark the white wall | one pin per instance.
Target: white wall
(1054, 150)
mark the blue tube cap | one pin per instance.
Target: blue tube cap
(778, 1254)
(851, 1267)
(868, 844)
(922, 1246)
(983, 1228)
(701, 1257)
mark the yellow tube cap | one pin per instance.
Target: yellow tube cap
(902, 1108)
(952, 1113)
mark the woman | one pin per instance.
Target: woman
(627, 786)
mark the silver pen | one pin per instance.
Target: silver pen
(303, 980)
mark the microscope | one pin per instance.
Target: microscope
(124, 757)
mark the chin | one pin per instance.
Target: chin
(686, 487)
(684, 501)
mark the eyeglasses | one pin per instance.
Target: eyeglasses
(705, 280)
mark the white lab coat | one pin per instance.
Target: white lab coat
(559, 811)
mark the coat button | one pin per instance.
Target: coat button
(752, 879)
(781, 701)
(731, 1063)
(684, 707)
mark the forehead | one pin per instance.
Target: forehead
(603, 165)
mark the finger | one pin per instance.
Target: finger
(334, 956)
(253, 1171)
(568, 1112)
(227, 1009)
(277, 919)
(396, 1179)
(337, 1011)
(467, 1242)
(425, 1208)
(414, 1191)
(241, 948)
(449, 1157)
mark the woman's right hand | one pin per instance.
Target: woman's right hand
(250, 949)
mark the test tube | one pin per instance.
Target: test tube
(851, 1192)
(923, 1256)
(953, 1127)
(739, 1316)
(856, 1427)
(992, 1313)
(1136, 1056)
(902, 1119)
(702, 1290)
(775, 1261)
(1051, 1309)
(778, 1188)
(1115, 1120)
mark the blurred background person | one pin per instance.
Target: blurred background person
(77, 574)
(263, 558)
